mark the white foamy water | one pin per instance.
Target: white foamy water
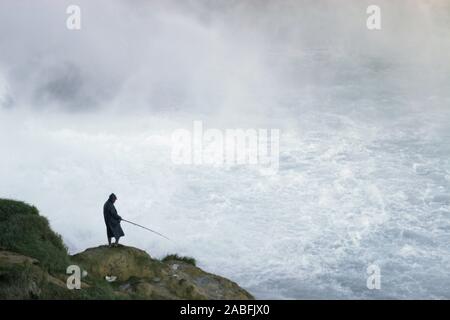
(348, 193)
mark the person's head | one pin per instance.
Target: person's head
(112, 197)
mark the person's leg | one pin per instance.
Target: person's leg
(109, 235)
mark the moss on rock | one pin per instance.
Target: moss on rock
(33, 262)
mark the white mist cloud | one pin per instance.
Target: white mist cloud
(221, 58)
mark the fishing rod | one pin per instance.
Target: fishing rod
(138, 225)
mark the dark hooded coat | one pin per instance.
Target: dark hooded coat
(112, 220)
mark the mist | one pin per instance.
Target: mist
(364, 116)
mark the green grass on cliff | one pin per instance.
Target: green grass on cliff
(175, 257)
(24, 231)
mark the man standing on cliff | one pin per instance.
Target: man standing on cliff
(112, 221)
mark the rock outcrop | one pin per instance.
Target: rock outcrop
(33, 262)
(140, 276)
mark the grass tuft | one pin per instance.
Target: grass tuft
(176, 257)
